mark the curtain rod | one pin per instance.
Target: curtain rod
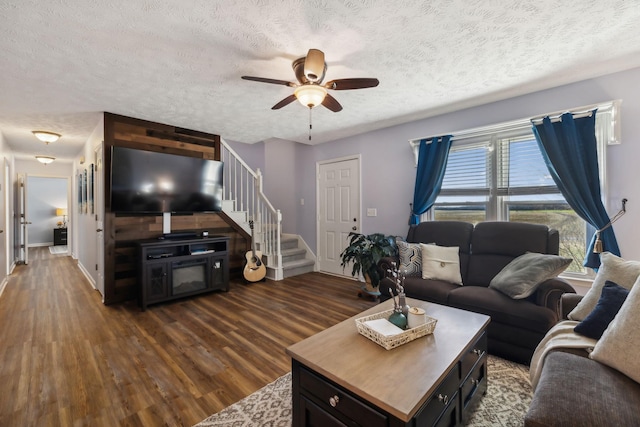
(558, 117)
(522, 123)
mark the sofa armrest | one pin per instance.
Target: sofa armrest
(384, 287)
(568, 303)
(550, 292)
(385, 264)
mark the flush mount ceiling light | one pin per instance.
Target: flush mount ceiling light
(45, 159)
(46, 136)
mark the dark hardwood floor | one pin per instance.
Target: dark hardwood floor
(68, 360)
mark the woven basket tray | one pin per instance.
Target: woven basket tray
(393, 341)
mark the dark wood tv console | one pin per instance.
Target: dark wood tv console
(176, 268)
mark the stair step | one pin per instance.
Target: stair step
(294, 268)
(228, 205)
(289, 255)
(288, 243)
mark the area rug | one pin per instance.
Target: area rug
(58, 250)
(505, 404)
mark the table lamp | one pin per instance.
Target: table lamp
(63, 213)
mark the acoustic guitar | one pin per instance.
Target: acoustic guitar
(254, 270)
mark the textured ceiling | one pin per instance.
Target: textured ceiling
(179, 61)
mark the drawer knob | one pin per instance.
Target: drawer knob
(475, 382)
(444, 399)
(477, 351)
(333, 401)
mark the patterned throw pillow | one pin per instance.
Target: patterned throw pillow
(410, 257)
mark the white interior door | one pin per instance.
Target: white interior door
(338, 190)
(98, 178)
(4, 229)
(24, 221)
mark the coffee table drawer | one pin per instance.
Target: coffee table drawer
(313, 415)
(475, 385)
(441, 400)
(339, 403)
(476, 351)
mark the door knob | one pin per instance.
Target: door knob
(99, 230)
(1, 231)
(354, 228)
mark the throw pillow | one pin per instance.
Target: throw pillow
(410, 257)
(612, 298)
(619, 343)
(613, 268)
(441, 263)
(521, 277)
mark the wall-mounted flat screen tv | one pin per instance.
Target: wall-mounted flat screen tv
(152, 182)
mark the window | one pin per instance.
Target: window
(498, 174)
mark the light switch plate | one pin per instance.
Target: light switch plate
(372, 212)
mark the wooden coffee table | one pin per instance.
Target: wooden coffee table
(341, 378)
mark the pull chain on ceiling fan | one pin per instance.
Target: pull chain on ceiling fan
(309, 90)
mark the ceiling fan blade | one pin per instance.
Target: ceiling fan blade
(314, 65)
(346, 84)
(272, 81)
(331, 103)
(288, 100)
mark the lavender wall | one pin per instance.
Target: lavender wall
(388, 170)
(280, 167)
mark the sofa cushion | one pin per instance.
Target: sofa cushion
(428, 290)
(612, 298)
(502, 309)
(410, 257)
(613, 268)
(521, 277)
(577, 391)
(620, 342)
(441, 263)
(496, 244)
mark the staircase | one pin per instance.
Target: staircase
(284, 255)
(294, 258)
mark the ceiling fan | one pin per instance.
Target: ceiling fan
(309, 90)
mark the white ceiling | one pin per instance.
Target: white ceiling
(179, 62)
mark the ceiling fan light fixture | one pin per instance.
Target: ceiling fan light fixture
(45, 159)
(310, 95)
(46, 136)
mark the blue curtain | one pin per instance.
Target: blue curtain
(432, 162)
(570, 151)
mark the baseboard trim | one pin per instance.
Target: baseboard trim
(87, 275)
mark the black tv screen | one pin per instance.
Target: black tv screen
(151, 182)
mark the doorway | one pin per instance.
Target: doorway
(5, 261)
(338, 189)
(44, 213)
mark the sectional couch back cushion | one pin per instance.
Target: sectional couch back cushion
(496, 244)
(493, 244)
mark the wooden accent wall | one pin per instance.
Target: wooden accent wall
(122, 231)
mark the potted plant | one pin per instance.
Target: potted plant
(364, 252)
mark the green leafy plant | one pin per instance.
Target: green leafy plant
(365, 251)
